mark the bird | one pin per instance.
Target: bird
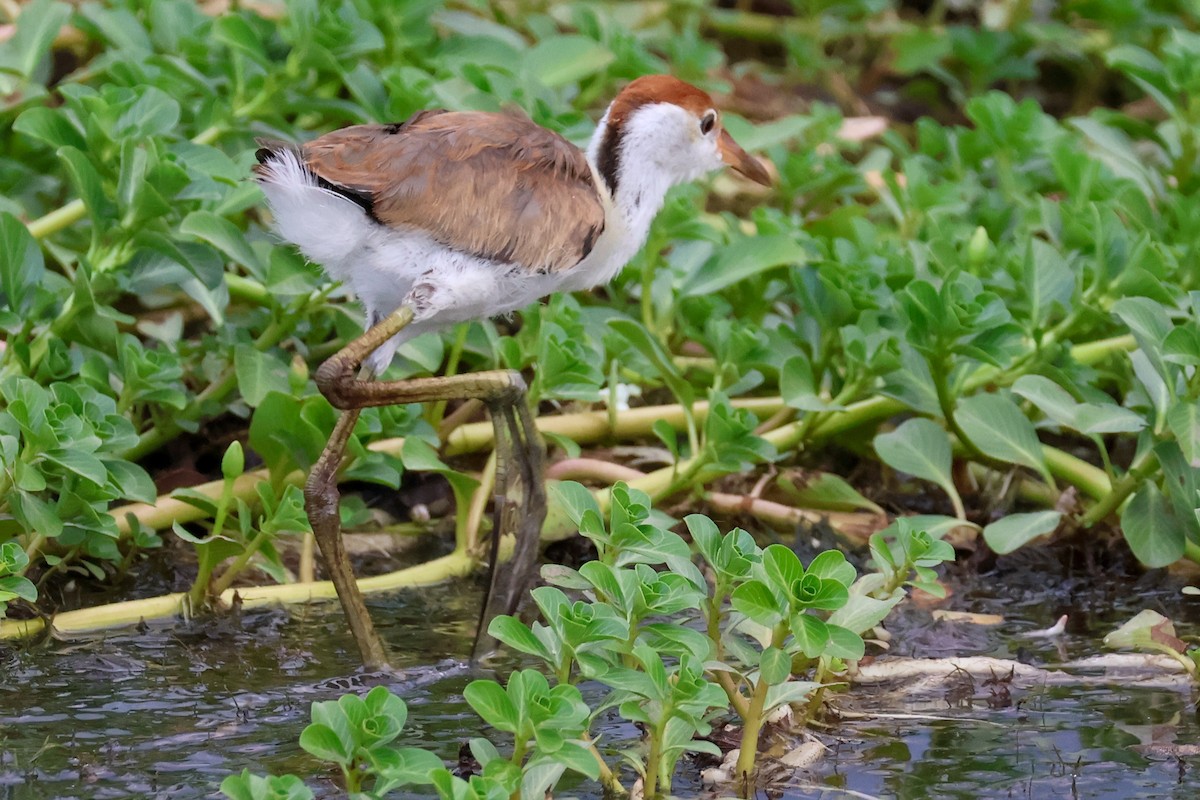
(453, 216)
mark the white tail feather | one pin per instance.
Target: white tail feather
(327, 227)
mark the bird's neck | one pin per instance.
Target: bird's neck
(634, 177)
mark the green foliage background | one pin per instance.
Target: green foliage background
(1022, 282)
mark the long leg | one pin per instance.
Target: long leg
(504, 393)
(321, 500)
(515, 434)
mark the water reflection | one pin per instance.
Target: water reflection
(169, 711)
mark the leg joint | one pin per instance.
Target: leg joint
(331, 378)
(511, 392)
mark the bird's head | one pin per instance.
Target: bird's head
(661, 122)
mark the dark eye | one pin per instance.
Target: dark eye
(707, 122)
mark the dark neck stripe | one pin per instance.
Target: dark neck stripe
(608, 158)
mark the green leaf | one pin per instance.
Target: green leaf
(153, 113)
(21, 265)
(607, 585)
(35, 514)
(483, 750)
(269, 787)
(17, 586)
(1000, 430)
(844, 643)
(863, 612)
(823, 490)
(578, 759)
(1151, 373)
(83, 464)
(1182, 345)
(758, 602)
(576, 499)
(321, 742)
(492, 703)
(790, 692)
(705, 534)
(516, 635)
(742, 259)
(381, 702)
(799, 387)
(832, 565)
(652, 349)
(37, 25)
(1049, 282)
(1146, 319)
(405, 766)
(234, 31)
(775, 666)
(921, 448)
(816, 592)
(1017, 530)
(1154, 534)
(1183, 419)
(560, 60)
(1053, 400)
(50, 125)
(12, 558)
(1146, 630)
(87, 181)
(223, 235)
(810, 633)
(259, 373)
(539, 776)
(782, 566)
(131, 480)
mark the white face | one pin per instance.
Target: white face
(681, 143)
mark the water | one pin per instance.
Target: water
(168, 711)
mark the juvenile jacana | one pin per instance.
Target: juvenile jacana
(454, 216)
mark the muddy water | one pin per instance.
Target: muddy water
(168, 711)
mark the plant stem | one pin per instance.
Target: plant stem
(563, 673)
(199, 588)
(593, 469)
(1124, 487)
(752, 722)
(207, 564)
(608, 779)
(115, 615)
(438, 411)
(941, 383)
(1077, 472)
(32, 551)
(519, 744)
(307, 572)
(239, 564)
(814, 702)
(593, 426)
(479, 500)
(56, 220)
(713, 617)
(654, 759)
(248, 290)
(353, 778)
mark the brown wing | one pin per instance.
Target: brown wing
(493, 185)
